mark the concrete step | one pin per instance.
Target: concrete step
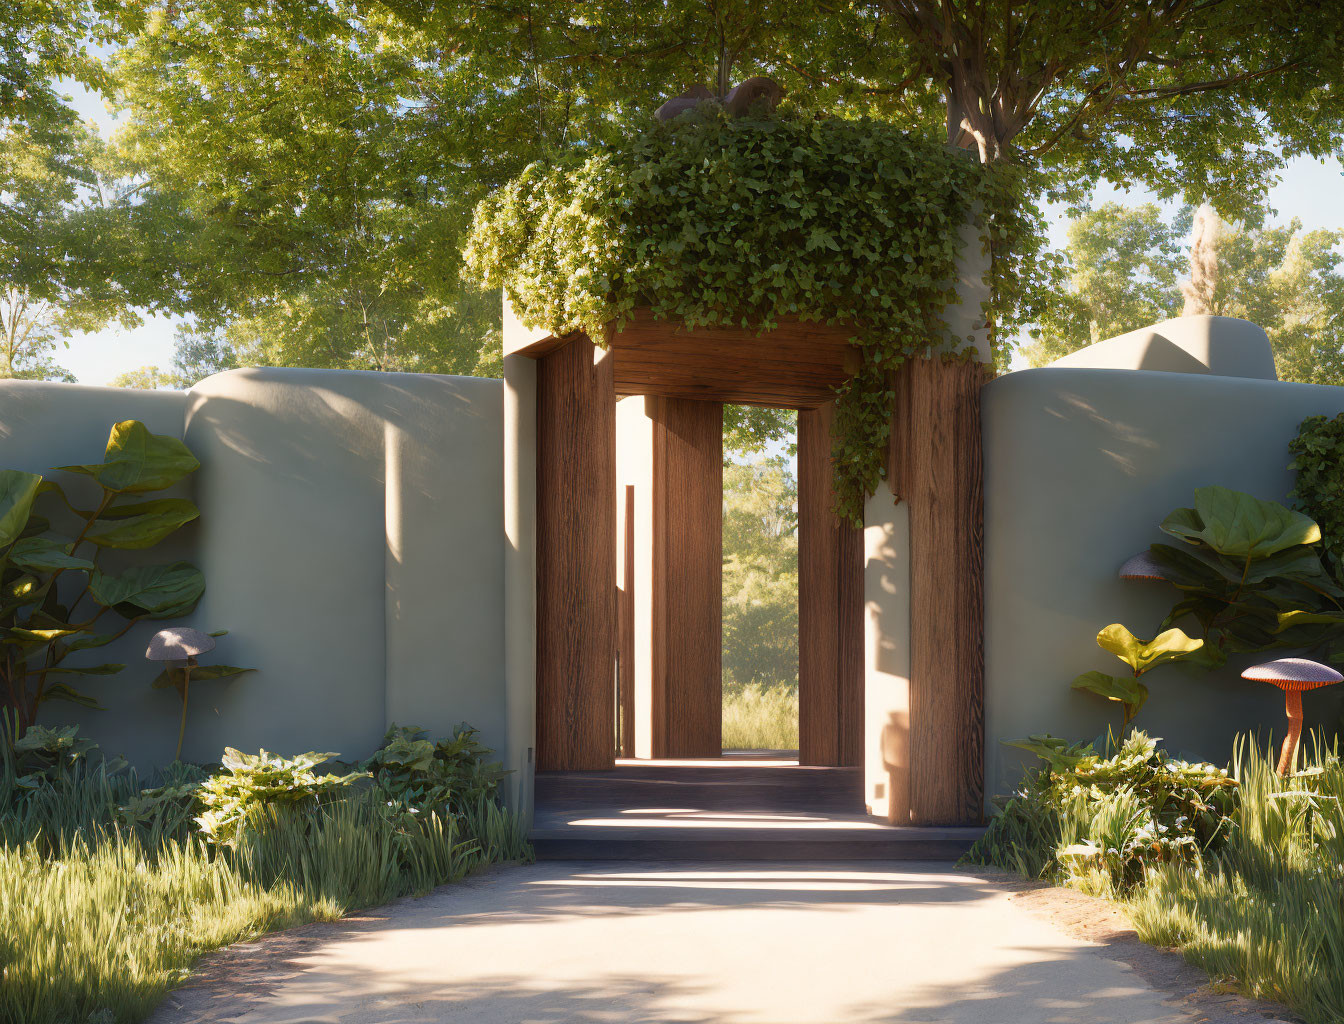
(706, 787)
(837, 842)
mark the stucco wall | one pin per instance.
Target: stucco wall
(1080, 467)
(351, 539)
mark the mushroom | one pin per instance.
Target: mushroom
(1143, 566)
(180, 643)
(1292, 676)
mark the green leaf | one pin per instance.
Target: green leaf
(18, 490)
(91, 640)
(44, 554)
(108, 669)
(172, 675)
(1060, 753)
(1125, 690)
(1240, 525)
(158, 589)
(1140, 656)
(41, 636)
(1301, 617)
(61, 692)
(137, 461)
(149, 523)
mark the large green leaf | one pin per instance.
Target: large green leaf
(1140, 656)
(156, 589)
(45, 554)
(1126, 690)
(172, 676)
(70, 695)
(1240, 525)
(137, 461)
(141, 525)
(1060, 753)
(18, 490)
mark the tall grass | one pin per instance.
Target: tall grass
(1265, 910)
(1268, 910)
(757, 717)
(99, 918)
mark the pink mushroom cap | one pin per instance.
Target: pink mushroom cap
(1293, 674)
(178, 643)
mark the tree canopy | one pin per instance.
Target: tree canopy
(298, 176)
(1127, 266)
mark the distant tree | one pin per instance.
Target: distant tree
(1288, 281)
(760, 572)
(197, 353)
(1200, 288)
(1122, 266)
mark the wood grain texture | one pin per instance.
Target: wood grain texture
(687, 577)
(794, 366)
(830, 608)
(935, 465)
(626, 628)
(576, 558)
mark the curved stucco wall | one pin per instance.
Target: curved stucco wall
(1080, 467)
(351, 540)
(1221, 345)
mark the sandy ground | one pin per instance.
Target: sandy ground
(725, 943)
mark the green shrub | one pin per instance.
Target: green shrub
(446, 777)
(1088, 815)
(108, 893)
(1318, 459)
(48, 580)
(1251, 576)
(235, 798)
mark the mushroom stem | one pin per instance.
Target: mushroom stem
(1292, 705)
(182, 726)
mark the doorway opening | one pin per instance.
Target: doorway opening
(759, 655)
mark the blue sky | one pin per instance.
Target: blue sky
(1310, 190)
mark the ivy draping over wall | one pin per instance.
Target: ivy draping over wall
(711, 221)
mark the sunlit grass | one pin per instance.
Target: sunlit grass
(99, 920)
(1265, 913)
(757, 717)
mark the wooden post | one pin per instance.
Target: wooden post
(687, 581)
(830, 608)
(934, 464)
(576, 557)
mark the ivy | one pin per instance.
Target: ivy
(1318, 458)
(714, 221)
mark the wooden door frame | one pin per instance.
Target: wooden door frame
(934, 467)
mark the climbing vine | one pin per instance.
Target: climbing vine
(713, 221)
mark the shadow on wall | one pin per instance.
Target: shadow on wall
(1080, 467)
(351, 542)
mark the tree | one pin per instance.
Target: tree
(760, 573)
(1286, 280)
(1122, 265)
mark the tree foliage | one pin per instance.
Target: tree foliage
(1126, 273)
(760, 573)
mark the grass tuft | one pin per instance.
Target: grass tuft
(757, 717)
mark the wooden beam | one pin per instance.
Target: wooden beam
(830, 608)
(576, 558)
(687, 602)
(626, 626)
(934, 464)
(796, 365)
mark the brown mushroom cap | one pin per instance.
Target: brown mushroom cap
(1293, 674)
(178, 643)
(1143, 566)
